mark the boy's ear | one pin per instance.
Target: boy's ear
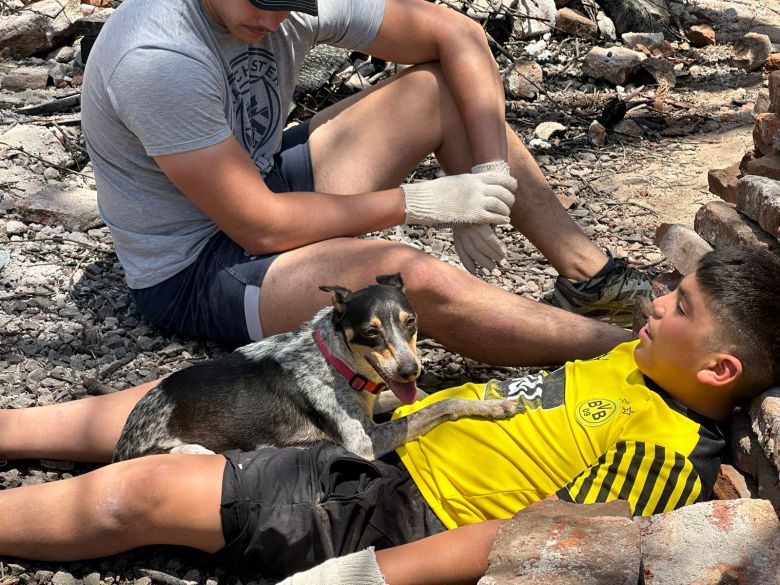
(724, 370)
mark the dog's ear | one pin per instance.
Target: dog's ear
(391, 280)
(340, 297)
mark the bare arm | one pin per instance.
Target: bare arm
(452, 557)
(415, 31)
(224, 183)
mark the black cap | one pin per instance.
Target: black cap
(307, 6)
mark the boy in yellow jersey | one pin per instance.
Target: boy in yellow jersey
(638, 423)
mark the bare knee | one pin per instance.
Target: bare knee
(430, 282)
(131, 494)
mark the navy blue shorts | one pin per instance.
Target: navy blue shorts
(217, 296)
(287, 510)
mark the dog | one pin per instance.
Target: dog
(316, 383)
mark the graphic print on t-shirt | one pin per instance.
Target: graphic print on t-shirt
(533, 391)
(256, 104)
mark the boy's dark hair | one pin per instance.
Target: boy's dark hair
(742, 285)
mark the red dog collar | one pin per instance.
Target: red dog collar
(356, 381)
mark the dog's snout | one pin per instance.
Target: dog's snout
(409, 369)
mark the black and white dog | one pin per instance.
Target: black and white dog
(316, 383)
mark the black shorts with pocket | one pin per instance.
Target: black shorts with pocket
(287, 510)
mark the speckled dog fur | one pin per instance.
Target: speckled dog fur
(281, 391)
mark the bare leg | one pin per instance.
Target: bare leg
(540, 217)
(354, 149)
(461, 311)
(163, 499)
(82, 430)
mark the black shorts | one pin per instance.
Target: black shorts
(218, 295)
(287, 510)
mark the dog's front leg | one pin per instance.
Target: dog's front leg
(390, 435)
(387, 402)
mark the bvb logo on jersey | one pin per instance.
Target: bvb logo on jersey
(596, 411)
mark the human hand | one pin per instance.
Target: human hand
(460, 199)
(477, 244)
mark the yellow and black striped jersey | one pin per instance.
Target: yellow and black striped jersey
(592, 431)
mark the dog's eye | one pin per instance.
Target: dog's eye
(410, 322)
(371, 332)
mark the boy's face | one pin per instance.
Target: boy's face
(245, 22)
(673, 344)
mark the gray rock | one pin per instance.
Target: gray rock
(541, 21)
(752, 51)
(615, 64)
(637, 15)
(31, 31)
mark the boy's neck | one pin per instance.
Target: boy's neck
(707, 401)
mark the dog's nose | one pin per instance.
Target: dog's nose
(408, 369)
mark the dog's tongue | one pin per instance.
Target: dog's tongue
(405, 391)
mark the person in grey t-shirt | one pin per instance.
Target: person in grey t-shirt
(226, 224)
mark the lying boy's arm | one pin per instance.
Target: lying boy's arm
(452, 557)
(455, 556)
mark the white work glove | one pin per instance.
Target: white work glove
(358, 568)
(479, 244)
(460, 199)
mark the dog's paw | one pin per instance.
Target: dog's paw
(499, 409)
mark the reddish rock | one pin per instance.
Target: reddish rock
(701, 35)
(723, 182)
(572, 22)
(552, 543)
(766, 166)
(772, 62)
(720, 224)
(681, 245)
(523, 80)
(774, 91)
(712, 543)
(730, 484)
(597, 134)
(759, 199)
(768, 126)
(747, 158)
(762, 148)
(666, 282)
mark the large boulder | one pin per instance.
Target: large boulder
(637, 15)
(39, 26)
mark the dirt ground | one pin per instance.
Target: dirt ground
(676, 190)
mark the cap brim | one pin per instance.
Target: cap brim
(306, 6)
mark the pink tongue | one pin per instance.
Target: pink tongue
(405, 391)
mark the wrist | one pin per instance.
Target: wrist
(496, 166)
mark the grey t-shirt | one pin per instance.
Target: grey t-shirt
(163, 78)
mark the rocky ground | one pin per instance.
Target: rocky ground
(68, 327)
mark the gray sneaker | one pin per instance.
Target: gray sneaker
(608, 296)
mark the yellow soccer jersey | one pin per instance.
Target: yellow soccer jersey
(593, 431)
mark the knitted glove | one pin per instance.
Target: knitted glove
(358, 568)
(460, 199)
(479, 244)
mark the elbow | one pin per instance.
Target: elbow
(257, 241)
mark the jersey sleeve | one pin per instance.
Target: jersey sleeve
(651, 478)
(171, 102)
